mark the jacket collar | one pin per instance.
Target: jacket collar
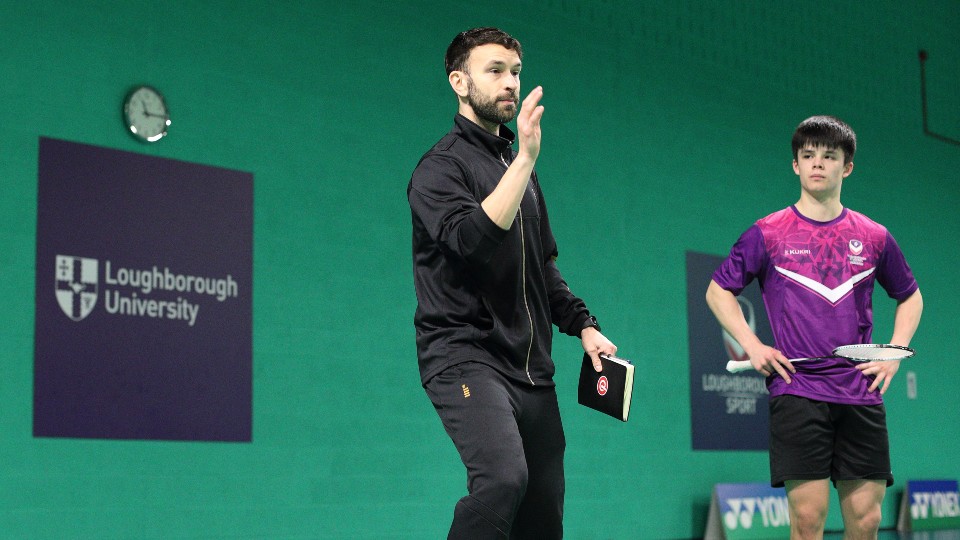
(497, 145)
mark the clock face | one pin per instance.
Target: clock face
(146, 114)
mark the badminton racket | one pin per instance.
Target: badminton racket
(866, 352)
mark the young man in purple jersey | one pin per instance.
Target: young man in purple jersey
(817, 263)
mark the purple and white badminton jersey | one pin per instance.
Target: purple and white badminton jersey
(817, 280)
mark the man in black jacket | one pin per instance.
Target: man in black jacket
(488, 290)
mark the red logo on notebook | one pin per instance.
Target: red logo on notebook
(602, 385)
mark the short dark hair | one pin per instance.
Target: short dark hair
(460, 47)
(827, 131)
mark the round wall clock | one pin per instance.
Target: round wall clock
(145, 113)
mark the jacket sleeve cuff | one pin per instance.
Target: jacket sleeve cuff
(577, 326)
(481, 237)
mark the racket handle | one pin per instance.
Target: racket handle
(736, 366)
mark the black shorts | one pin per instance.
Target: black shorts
(812, 440)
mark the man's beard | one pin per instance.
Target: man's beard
(489, 110)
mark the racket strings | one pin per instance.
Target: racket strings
(864, 353)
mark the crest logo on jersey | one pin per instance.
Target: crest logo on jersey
(856, 247)
(76, 288)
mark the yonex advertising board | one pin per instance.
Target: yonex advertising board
(727, 411)
(143, 297)
(748, 511)
(929, 505)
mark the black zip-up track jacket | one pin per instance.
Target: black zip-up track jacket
(484, 294)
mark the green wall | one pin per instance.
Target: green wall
(666, 129)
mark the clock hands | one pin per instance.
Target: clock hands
(143, 105)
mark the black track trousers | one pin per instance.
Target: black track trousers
(510, 439)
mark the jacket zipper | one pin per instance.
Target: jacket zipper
(523, 282)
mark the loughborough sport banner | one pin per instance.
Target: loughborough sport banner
(727, 411)
(143, 297)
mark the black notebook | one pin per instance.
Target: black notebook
(608, 391)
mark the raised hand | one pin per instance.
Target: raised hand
(528, 124)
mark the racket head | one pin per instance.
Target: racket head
(869, 352)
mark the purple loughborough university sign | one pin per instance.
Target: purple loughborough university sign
(143, 297)
(727, 411)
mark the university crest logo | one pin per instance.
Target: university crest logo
(76, 285)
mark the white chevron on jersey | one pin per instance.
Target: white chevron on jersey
(832, 295)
